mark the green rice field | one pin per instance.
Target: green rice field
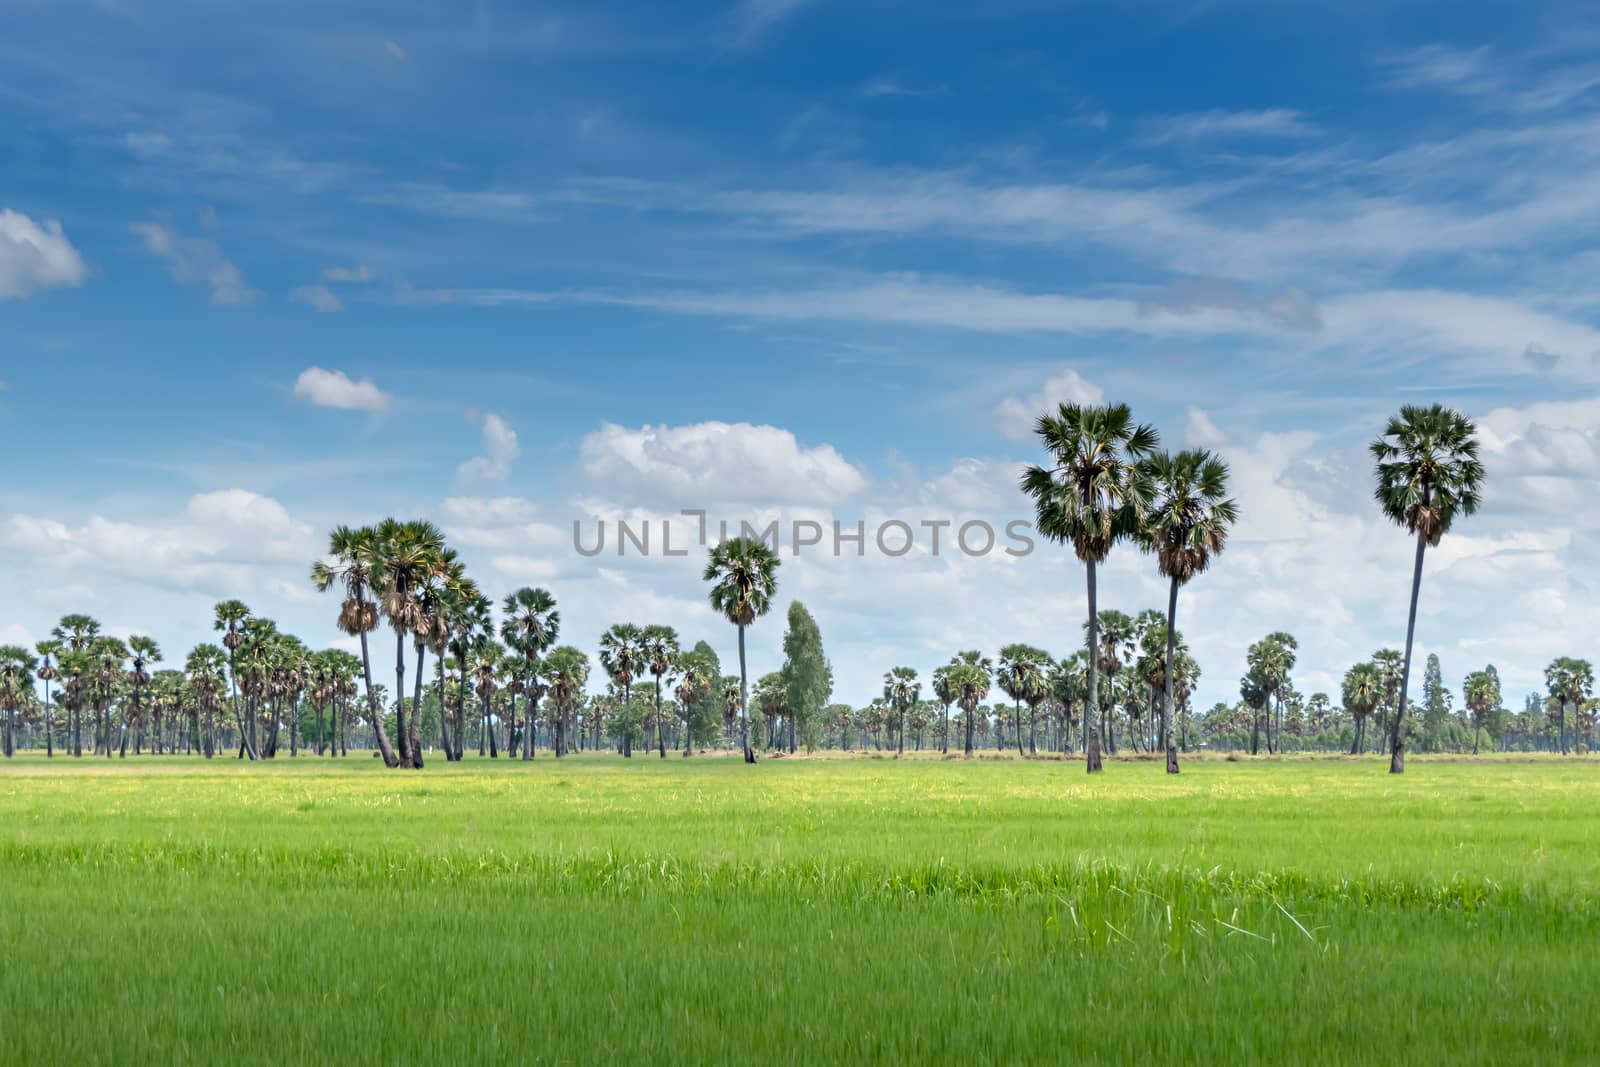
(171, 910)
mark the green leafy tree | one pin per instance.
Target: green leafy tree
(807, 673)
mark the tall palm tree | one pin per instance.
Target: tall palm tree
(1427, 473)
(660, 647)
(229, 617)
(17, 665)
(743, 576)
(440, 585)
(970, 675)
(945, 694)
(1570, 682)
(1363, 691)
(144, 651)
(1481, 690)
(76, 632)
(531, 625)
(409, 554)
(1023, 677)
(622, 657)
(49, 653)
(901, 689)
(568, 671)
(356, 564)
(1094, 493)
(1186, 527)
(693, 684)
(207, 667)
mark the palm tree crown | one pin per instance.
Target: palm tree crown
(1428, 470)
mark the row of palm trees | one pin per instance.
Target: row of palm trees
(1105, 481)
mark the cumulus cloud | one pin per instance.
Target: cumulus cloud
(196, 259)
(1199, 431)
(500, 448)
(711, 462)
(218, 543)
(35, 256)
(335, 389)
(1014, 416)
(317, 296)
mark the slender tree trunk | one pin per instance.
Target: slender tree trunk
(1092, 761)
(401, 731)
(1397, 742)
(374, 713)
(661, 726)
(530, 731)
(744, 703)
(49, 724)
(1166, 689)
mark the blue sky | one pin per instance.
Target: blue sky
(794, 258)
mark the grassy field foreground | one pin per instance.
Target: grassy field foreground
(173, 911)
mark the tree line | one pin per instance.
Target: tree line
(515, 689)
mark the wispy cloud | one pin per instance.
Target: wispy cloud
(752, 21)
(1227, 125)
(196, 259)
(319, 297)
(335, 389)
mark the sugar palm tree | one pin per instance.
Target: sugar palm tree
(901, 689)
(356, 566)
(743, 576)
(229, 618)
(531, 625)
(144, 652)
(207, 667)
(1481, 690)
(1428, 474)
(1186, 528)
(409, 555)
(732, 701)
(568, 671)
(694, 682)
(944, 692)
(622, 657)
(76, 632)
(660, 647)
(49, 654)
(1363, 691)
(970, 676)
(1570, 682)
(1023, 676)
(1093, 493)
(17, 665)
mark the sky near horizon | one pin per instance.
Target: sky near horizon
(267, 268)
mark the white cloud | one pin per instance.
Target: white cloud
(317, 296)
(1274, 122)
(500, 448)
(1199, 431)
(196, 259)
(706, 463)
(1014, 416)
(334, 389)
(34, 256)
(362, 273)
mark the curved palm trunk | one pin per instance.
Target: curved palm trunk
(245, 744)
(744, 703)
(401, 731)
(374, 715)
(1397, 740)
(1166, 689)
(1091, 719)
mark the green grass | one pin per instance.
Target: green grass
(171, 911)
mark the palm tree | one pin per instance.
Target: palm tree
(440, 585)
(743, 573)
(693, 684)
(901, 689)
(409, 554)
(356, 561)
(206, 667)
(48, 650)
(1023, 678)
(1363, 691)
(970, 674)
(1481, 690)
(1271, 659)
(1093, 494)
(1571, 682)
(568, 671)
(76, 633)
(660, 647)
(17, 665)
(1428, 473)
(622, 657)
(732, 701)
(144, 652)
(531, 626)
(1186, 527)
(945, 694)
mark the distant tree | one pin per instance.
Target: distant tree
(1363, 691)
(743, 577)
(807, 674)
